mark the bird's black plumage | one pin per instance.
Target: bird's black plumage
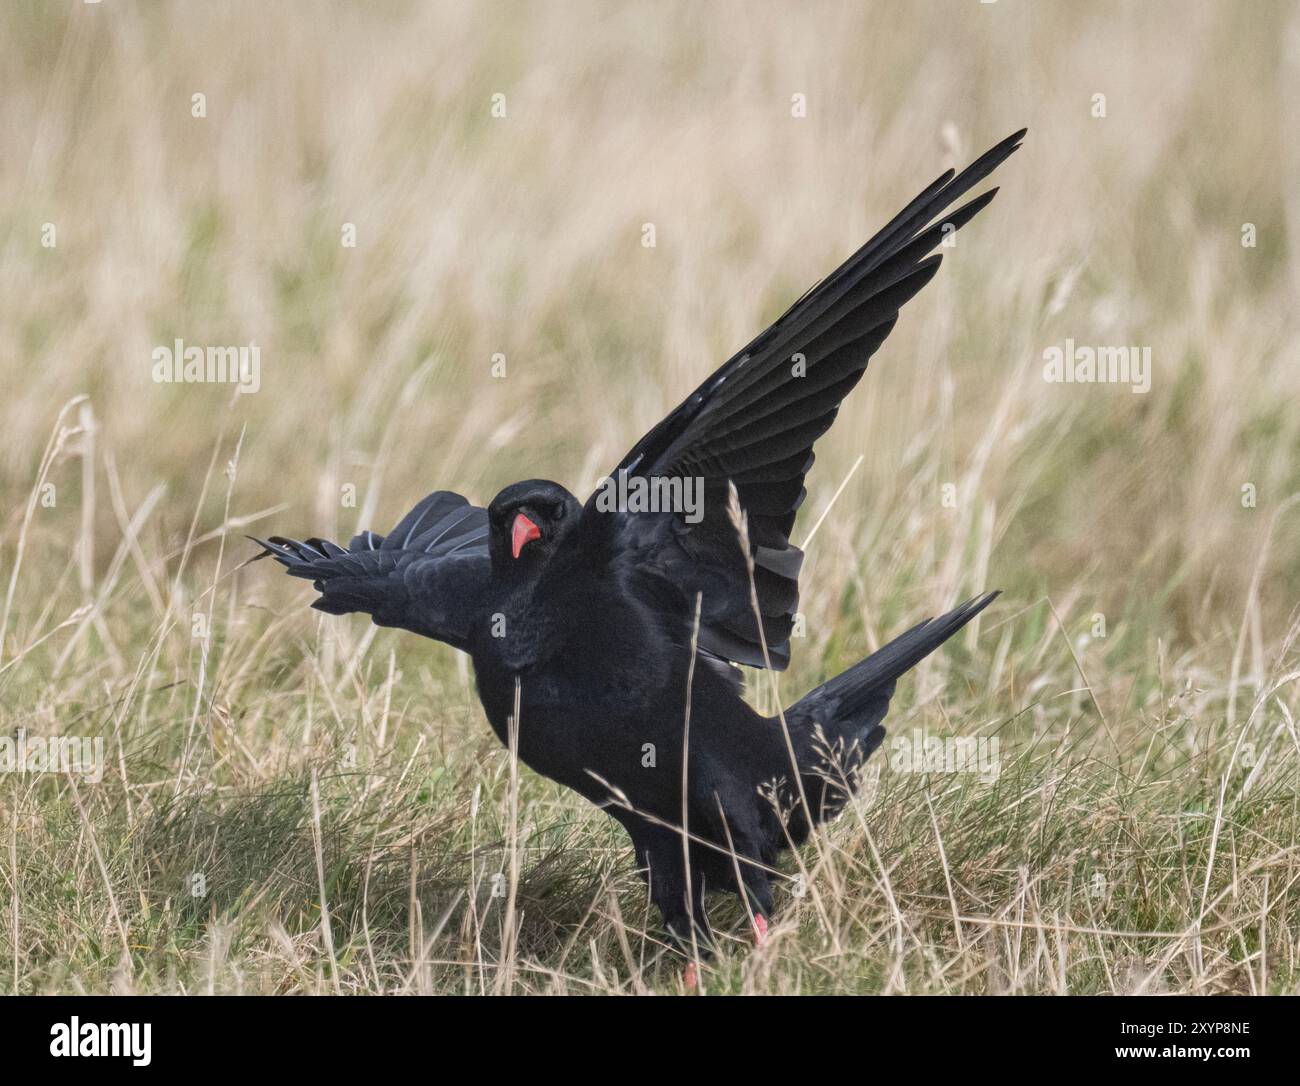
(616, 629)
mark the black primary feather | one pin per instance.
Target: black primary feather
(755, 420)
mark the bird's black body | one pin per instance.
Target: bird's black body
(614, 631)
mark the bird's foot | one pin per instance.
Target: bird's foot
(690, 978)
(760, 929)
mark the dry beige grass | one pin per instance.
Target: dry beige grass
(334, 786)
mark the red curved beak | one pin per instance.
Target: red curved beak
(523, 531)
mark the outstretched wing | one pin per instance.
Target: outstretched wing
(426, 575)
(753, 424)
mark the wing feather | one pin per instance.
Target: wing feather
(753, 423)
(426, 575)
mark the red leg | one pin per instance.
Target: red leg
(760, 929)
(691, 978)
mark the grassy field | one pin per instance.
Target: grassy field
(292, 803)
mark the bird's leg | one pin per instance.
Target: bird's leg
(758, 896)
(681, 906)
(696, 945)
(689, 931)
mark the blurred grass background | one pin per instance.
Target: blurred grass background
(293, 761)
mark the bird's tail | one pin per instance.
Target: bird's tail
(839, 722)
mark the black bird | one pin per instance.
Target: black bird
(616, 629)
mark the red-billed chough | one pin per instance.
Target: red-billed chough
(620, 620)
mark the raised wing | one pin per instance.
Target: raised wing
(753, 424)
(426, 575)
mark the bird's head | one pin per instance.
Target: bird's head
(529, 521)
